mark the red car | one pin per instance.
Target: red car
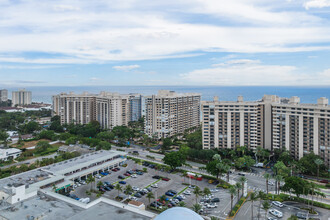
(324, 181)
(115, 170)
(165, 179)
(127, 174)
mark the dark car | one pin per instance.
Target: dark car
(137, 195)
(121, 177)
(130, 172)
(145, 163)
(324, 181)
(149, 189)
(122, 182)
(142, 192)
(139, 173)
(216, 182)
(215, 200)
(241, 174)
(107, 183)
(172, 191)
(152, 166)
(107, 188)
(102, 189)
(169, 194)
(156, 177)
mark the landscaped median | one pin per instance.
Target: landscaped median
(237, 207)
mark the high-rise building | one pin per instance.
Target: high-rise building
(3, 95)
(109, 109)
(136, 106)
(272, 123)
(170, 113)
(21, 97)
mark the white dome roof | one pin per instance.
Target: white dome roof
(178, 213)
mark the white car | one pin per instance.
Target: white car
(187, 192)
(192, 187)
(276, 213)
(271, 218)
(271, 183)
(278, 204)
(134, 176)
(212, 205)
(136, 188)
(154, 185)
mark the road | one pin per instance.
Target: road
(30, 161)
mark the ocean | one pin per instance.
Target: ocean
(225, 93)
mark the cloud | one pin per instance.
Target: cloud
(317, 4)
(253, 72)
(126, 67)
(29, 81)
(105, 31)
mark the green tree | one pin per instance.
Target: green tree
(128, 189)
(242, 180)
(278, 179)
(167, 143)
(253, 198)
(150, 196)
(198, 192)
(99, 184)
(103, 145)
(281, 169)
(106, 136)
(3, 137)
(266, 207)
(307, 164)
(196, 207)
(182, 204)
(238, 187)
(296, 185)
(118, 188)
(293, 217)
(232, 191)
(174, 159)
(91, 180)
(267, 177)
(42, 146)
(318, 162)
(206, 191)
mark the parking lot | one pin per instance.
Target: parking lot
(175, 183)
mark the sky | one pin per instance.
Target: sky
(172, 42)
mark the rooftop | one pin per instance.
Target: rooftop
(26, 178)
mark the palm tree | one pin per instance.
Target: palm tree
(238, 187)
(261, 196)
(232, 191)
(206, 191)
(267, 177)
(128, 189)
(99, 184)
(90, 179)
(318, 162)
(182, 204)
(196, 207)
(198, 192)
(279, 179)
(118, 188)
(242, 180)
(54, 187)
(150, 196)
(265, 206)
(184, 174)
(253, 197)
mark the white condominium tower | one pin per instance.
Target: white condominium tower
(170, 113)
(109, 109)
(21, 97)
(3, 95)
(272, 123)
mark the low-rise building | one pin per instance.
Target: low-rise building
(9, 154)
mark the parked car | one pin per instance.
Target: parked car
(155, 185)
(324, 181)
(166, 179)
(187, 192)
(149, 189)
(301, 215)
(136, 188)
(102, 189)
(169, 194)
(107, 188)
(271, 218)
(139, 173)
(215, 200)
(127, 174)
(156, 177)
(172, 191)
(122, 182)
(241, 174)
(277, 203)
(121, 177)
(138, 195)
(276, 213)
(134, 176)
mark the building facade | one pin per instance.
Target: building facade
(21, 97)
(272, 123)
(109, 109)
(170, 113)
(3, 95)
